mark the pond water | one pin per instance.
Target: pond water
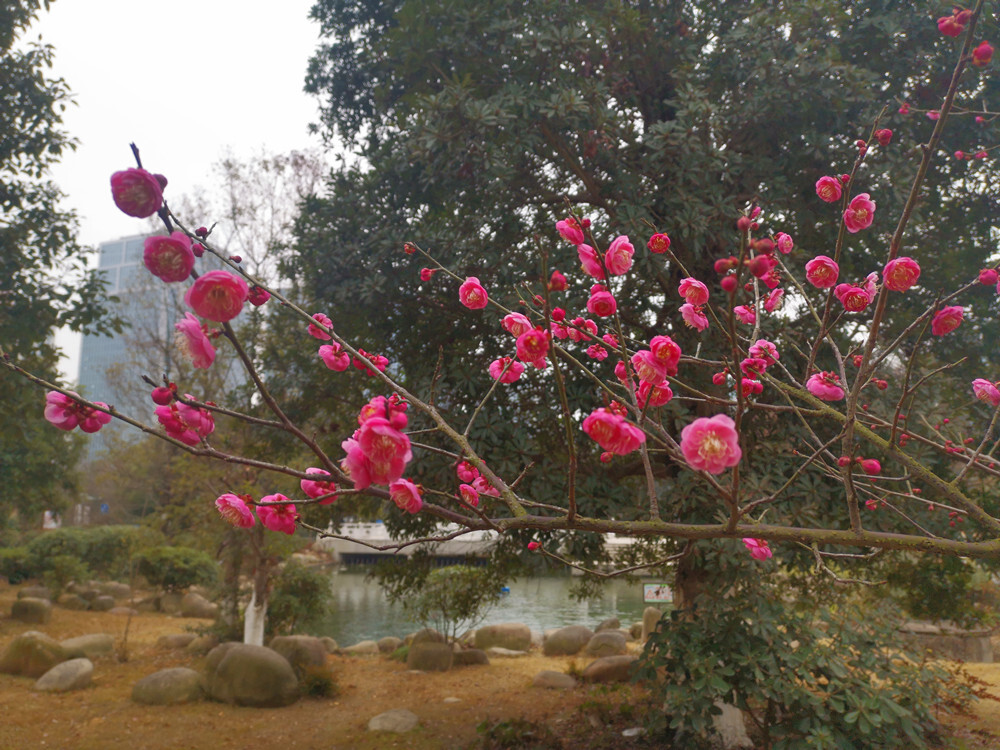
(360, 610)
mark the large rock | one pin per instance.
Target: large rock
(168, 687)
(74, 674)
(169, 602)
(430, 657)
(635, 632)
(606, 643)
(202, 644)
(514, 636)
(34, 592)
(553, 680)
(175, 640)
(609, 669)
(567, 641)
(305, 653)
(362, 648)
(398, 720)
(103, 603)
(90, 646)
(73, 602)
(32, 654)
(730, 729)
(86, 592)
(330, 644)
(427, 635)
(115, 589)
(612, 623)
(195, 605)
(389, 644)
(250, 676)
(467, 657)
(31, 610)
(650, 617)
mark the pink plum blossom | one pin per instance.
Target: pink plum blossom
(745, 314)
(853, 298)
(618, 258)
(694, 316)
(483, 487)
(860, 213)
(514, 369)
(62, 411)
(758, 548)
(598, 352)
(386, 449)
(649, 368)
(258, 295)
(765, 350)
(825, 386)
(658, 243)
(570, 230)
(667, 352)
(168, 258)
(234, 510)
(900, 274)
(217, 295)
(982, 54)
(532, 347)
(828, 189)
(575, 334)
(947, 320)
(711, 444)
(322, 320)
(986, 392)
(870, 466)
(693, 291)
(406, 495)
(784, 243)
(193, 342)
(822, 272)
(280, 517)
(136, 192)
(334, 358)
(472, 294)
(466, 472)
(557, 282)
(613, 432)
(534, 546)
(773, 300)
(602, 303)
(516, 324)
(469, 495)
(655, 395)
(590, 262)
(318, 487)
(188, 424)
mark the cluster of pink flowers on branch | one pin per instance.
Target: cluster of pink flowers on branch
(67, 413)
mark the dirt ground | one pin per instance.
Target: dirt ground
(103, 716)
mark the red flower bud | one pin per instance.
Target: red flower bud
(728, 283)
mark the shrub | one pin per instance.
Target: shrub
(173, 568)
(62, 569)
(454, 598)
(16, 564)
(300, 597)
(106, 550)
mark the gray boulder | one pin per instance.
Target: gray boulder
(427, 635)
(468, 657)
(305, 653)
(510, 635)
(175, 640)
(330, 644)
(498, 652)
(74, 674)
(250, 676)
(606, 643)
(31, 654)
(195, 605)
(609, 669)
(168, 687)
(635, 632)
(103, 603)
(553, 680)
(31, 610)
(115, 589)
(169, 602)
(430, 657)
(612, 623)
(650, 617)
(362, 648)
(567, 641)
(389, 644)
(202, 644)
(730, 729)
(398, 720)
(73, 602)
(89, 646)
(86, 592)
(34, 592)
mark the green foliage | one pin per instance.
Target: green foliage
(61, 571)
(454, 598)
(300, 598)
(817, 676)
(319, 682)
(514, 734)
(173, 568)
(106, 550)
(16, 564)
(939, 588)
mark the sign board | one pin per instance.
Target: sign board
(657, 592)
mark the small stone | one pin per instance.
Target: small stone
(389, 644)
(606, 643)
(398, 720)
(115, 589)
(547, 678)
(73, 602)
(31, 610)
(452, 699)
(74, 674)
(363, 648)
(498, 652)
(103, 603)
(168, 687)
(469, 657)
(610, 669)
(634, 732)
(89, 646)
(195, 605)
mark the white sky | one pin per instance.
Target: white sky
(184, 80)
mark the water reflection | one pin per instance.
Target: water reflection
(361, 611)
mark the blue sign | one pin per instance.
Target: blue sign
(104, 508)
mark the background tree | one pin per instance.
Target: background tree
(44, 282)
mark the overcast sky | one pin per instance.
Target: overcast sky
(184, 80)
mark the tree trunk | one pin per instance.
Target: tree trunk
(256, 613)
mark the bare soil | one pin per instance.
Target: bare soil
(103, 716)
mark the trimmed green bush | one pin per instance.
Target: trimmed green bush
(172, 568)
(106, 550)
(299, 598)
(62, 569)
(15, 564)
